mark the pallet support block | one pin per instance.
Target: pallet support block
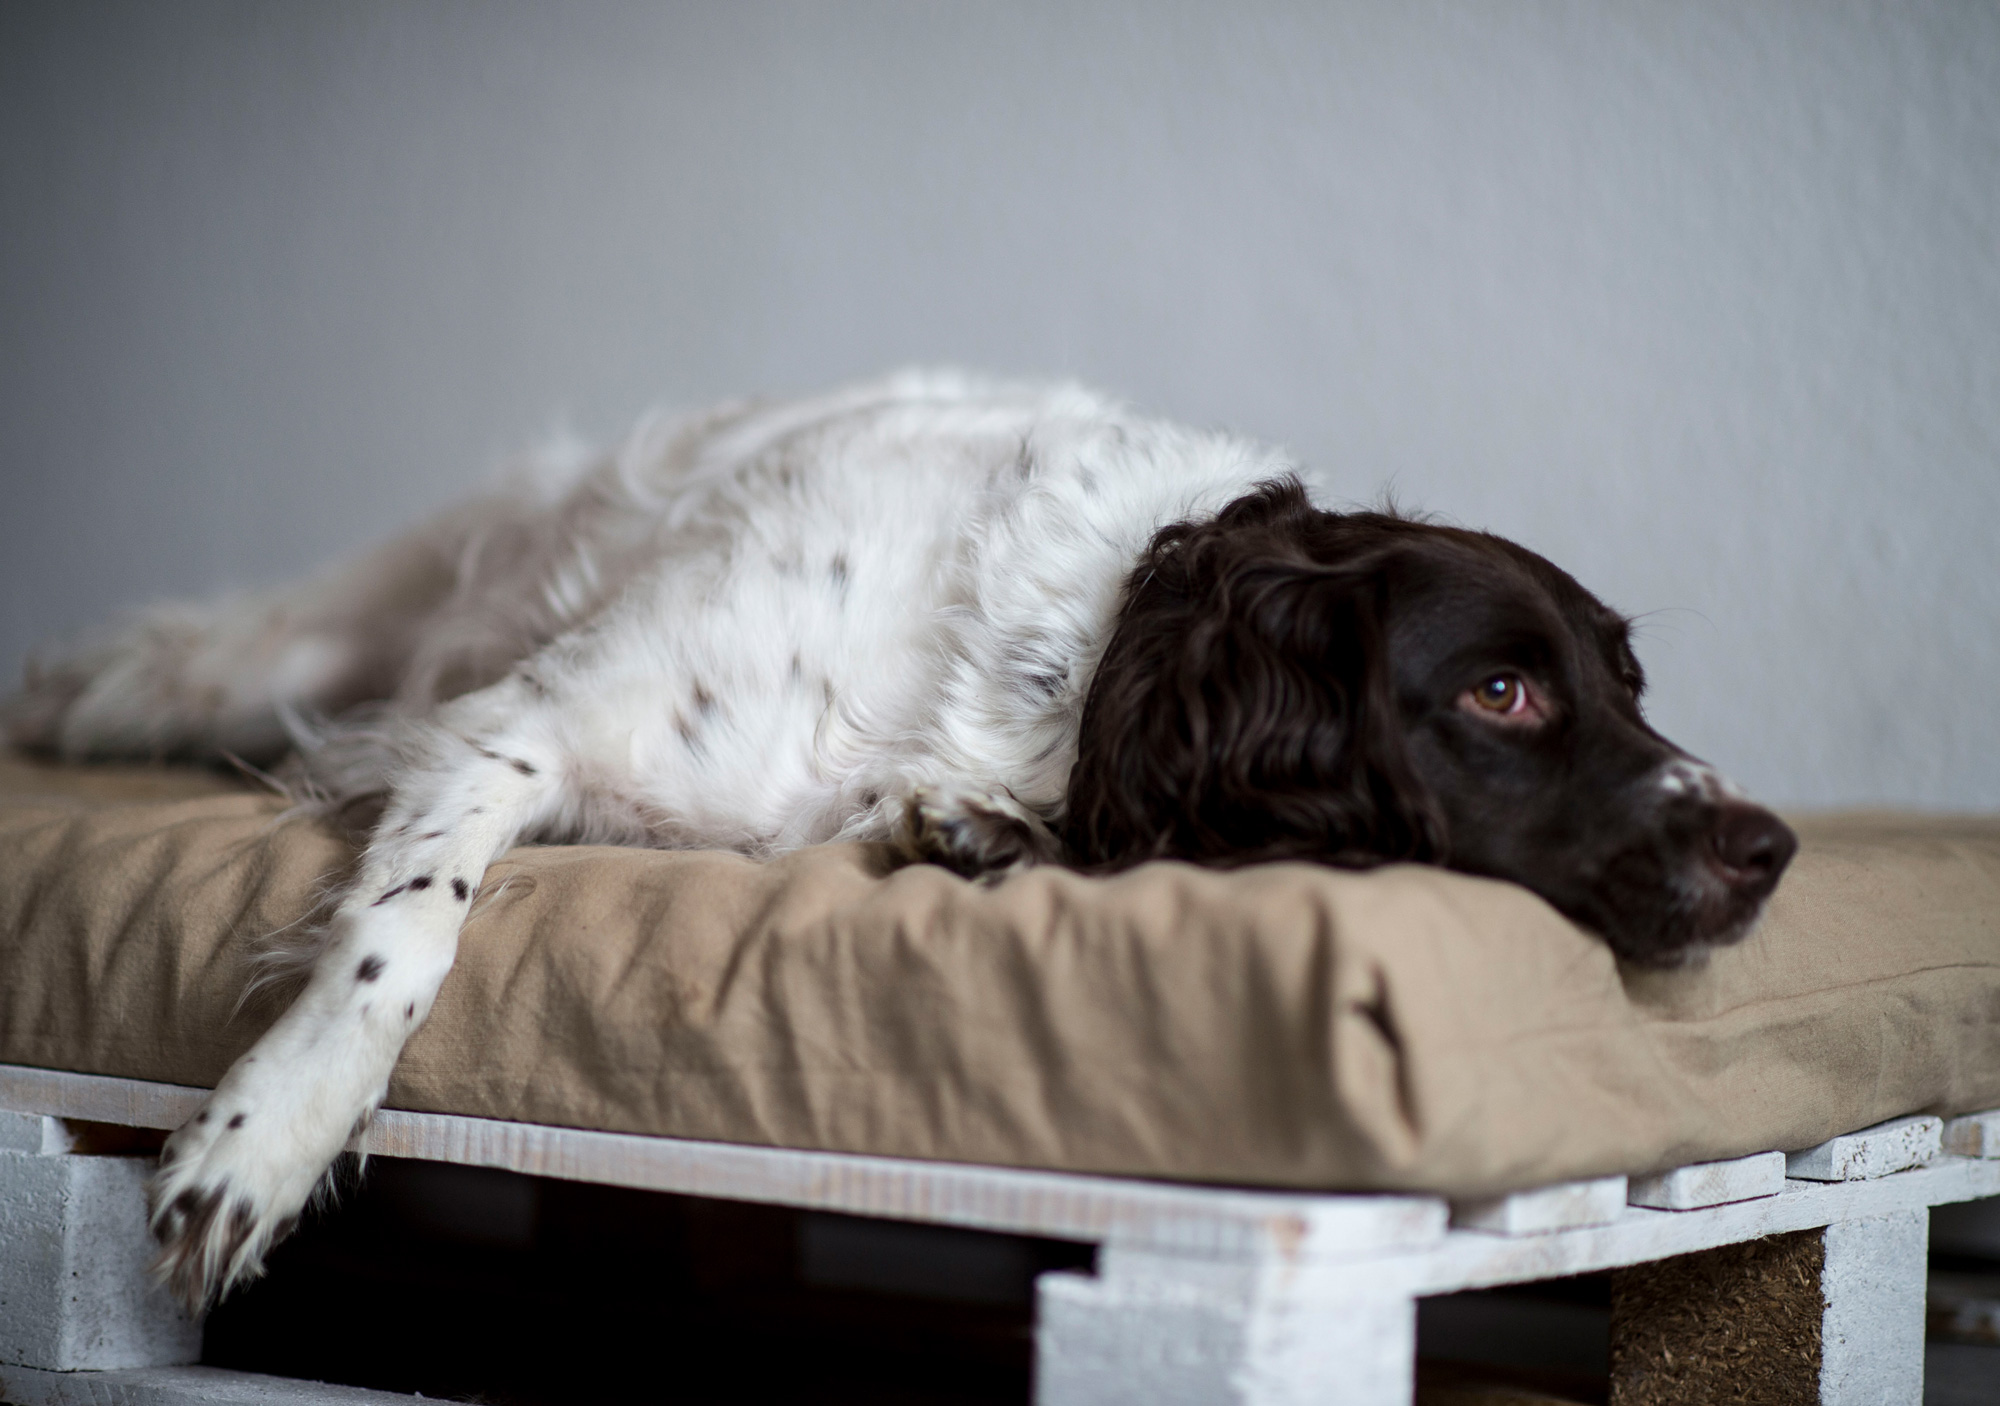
(75, 1292)
(1872, 1335)
(1164, 1330)
(1829, 1317)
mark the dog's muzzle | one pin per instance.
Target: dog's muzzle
(1743, 849)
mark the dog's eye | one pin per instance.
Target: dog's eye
(1506, 698)
(1503, 693)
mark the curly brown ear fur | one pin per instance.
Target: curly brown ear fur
(1243, 710)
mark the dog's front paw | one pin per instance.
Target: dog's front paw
(984, 834)
(224, 1195)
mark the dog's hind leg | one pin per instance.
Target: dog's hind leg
(199, 679)
(232, 1181)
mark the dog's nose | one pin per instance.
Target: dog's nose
(1753, 845)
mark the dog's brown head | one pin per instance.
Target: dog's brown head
(1288, 683)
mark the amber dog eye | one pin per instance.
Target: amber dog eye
(1503, 693)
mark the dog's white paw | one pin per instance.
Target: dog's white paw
(229, 1187)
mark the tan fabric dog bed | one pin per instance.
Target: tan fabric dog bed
(1281, 1025)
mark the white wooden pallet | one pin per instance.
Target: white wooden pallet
(1202, 1294)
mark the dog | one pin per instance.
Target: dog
(997, 625)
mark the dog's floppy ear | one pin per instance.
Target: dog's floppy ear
(1243, 709)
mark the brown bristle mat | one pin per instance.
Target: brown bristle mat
(1737, 1324)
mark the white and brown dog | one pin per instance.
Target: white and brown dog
(998, 624)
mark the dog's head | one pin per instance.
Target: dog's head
(1353, 688)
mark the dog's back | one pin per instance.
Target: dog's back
(769, 623)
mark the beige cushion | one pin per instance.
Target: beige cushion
(1282, 1024)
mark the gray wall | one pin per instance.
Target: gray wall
(1700, 299)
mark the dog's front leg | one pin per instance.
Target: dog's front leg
(233, 1181)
